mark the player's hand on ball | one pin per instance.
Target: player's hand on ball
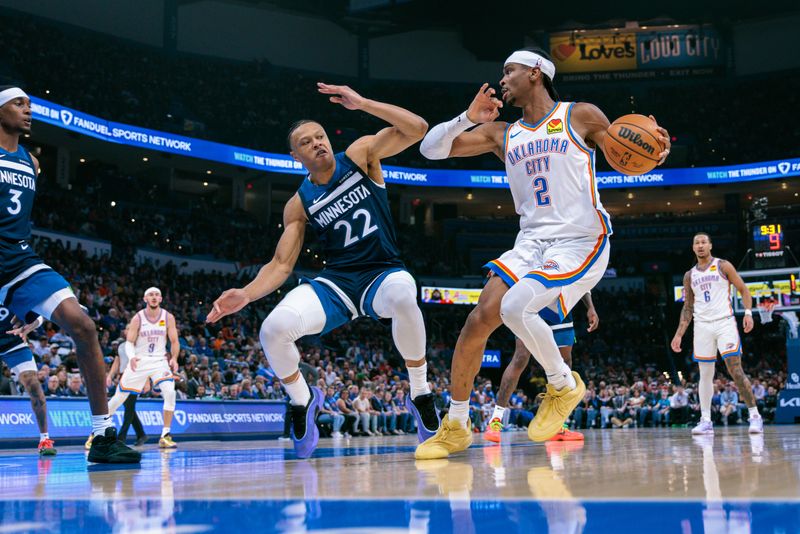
(594, 320)
(342, 95)
(665, 140)
(747, 323)
(676, 343)
(231, 301)
(485, 107)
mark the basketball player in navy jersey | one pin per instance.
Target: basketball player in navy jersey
(28, 285)
(344, 200)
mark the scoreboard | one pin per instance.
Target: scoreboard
(768, 245)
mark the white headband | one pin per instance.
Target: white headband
(534, 60)
(10, 94)
(149, 289)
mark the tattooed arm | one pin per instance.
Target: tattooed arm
(686, 313)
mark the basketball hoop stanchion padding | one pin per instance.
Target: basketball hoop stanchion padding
(788, 409)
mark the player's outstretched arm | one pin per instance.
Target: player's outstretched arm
(747, 299)
(406, 127)
(130, 341)
(452, 140)
(591, 313)
(273, 274)
(686, 313)
(591, 124)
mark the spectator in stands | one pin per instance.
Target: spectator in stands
(729, 400)
(75, 387)
(586, 412)
(661, 408)
(363, 407)
(622, 412)
(329, 414)
(679, 406)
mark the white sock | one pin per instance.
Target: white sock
(164, 431)
(298, 392)
(44, 436)
(459, 411)
(705, 388)
(563, 378)
(418, 378)
(498, 413)
(754, 412)
(100, 423)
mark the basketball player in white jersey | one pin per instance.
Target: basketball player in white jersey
(562, 248)
(707, 300)
(147, 337)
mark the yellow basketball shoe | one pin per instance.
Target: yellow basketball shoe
(451, 437)
(555, 409)
(167, 443)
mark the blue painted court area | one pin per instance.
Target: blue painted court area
(656, 482)
(133, 515)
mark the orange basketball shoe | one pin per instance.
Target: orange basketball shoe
(493, 430)
(565, 434)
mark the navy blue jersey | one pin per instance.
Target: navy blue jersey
(350, 215)
(10, 342)
(17, 189)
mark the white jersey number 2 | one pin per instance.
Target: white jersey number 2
(349, 238)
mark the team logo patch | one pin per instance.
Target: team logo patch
(550, 265)
(713, 268)
(555, 126)
(162, 323)
(729, 346)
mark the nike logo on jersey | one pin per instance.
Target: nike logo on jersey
(24, 246)
(512, 136)
(317, 199)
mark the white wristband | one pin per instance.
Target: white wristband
(748, 312)
(439, 141)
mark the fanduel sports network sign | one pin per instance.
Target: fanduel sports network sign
(134, 136)
(69, 418)
(491, 359)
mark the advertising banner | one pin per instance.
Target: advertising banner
(491, 359)
(449, 295)
(282, 163)
(69, 417)
(679, 48)
(660, 47)
(593, 52)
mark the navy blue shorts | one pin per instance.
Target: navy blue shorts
(346, 295)
(565, 335)
(27, 283)
(18, 356)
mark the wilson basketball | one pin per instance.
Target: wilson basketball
(632, 145)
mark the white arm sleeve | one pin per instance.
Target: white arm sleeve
(439, 141)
